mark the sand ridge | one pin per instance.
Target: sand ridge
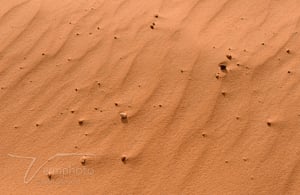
(169, 97)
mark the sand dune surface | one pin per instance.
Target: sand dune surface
(150, 97)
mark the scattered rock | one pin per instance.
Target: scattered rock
(223, 67)
(49, 175)
(80, 122)
(156, 15)
(269, 123)
(124, 116)
(124, 159)
(288, 51)
(116, 104)
(152, 26)
(83, 160)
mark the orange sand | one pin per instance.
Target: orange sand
(208, 90)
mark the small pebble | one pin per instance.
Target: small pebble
(123, 115)
(80, 122)
(223, 67)
(83, 160)
(124, 159)
(49, 175)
